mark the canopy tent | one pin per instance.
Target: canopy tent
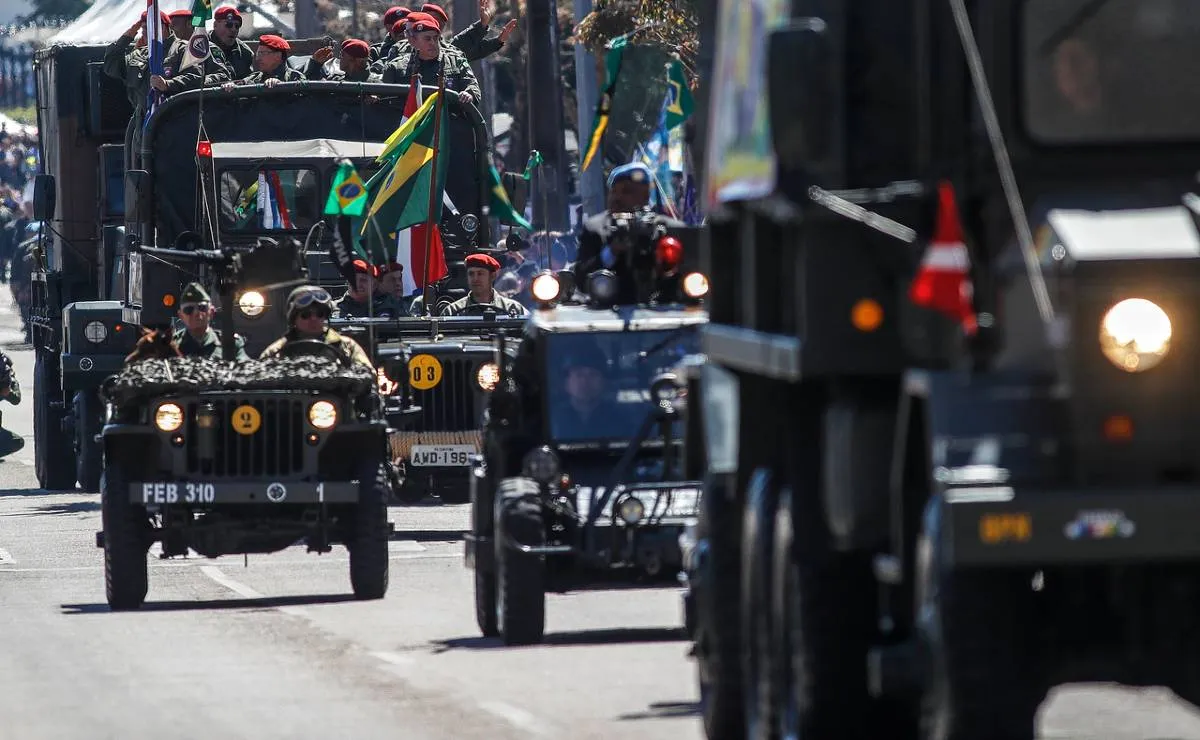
(107, 19)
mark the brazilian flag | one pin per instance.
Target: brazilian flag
(501, 207)
(202, 10)
(612, 66)
(348, 196)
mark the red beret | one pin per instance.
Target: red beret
(363, 268)
(166, 20)
(423, 22)
(437, 12)
(394, 14)
(180, 14)
(227, 10)
(355, 48)
(485, 261)
(278, 43)
(391, 267)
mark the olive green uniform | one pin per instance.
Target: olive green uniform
(348, 307)
(346, 345)
(314, 70)
(209, 74)
(502, 304)
(283, 73)
(237, 59)
(459, 75)
(209, 346)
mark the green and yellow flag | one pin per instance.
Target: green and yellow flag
(612, 66)
(502, 208)
(679, 100)
(201, 11)
(348, 196)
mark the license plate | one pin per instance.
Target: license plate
(442, 456)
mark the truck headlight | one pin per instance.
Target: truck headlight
(695, 285)
(252, 303)
(168, 417)
(545, 287)
(1135, 334)
(488, 375)
(95, 332)
(631, 510)
(542, 465)
(322, 414)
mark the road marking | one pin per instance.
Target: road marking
(515, 716)
(395, 659)
(245, 591)
(405, 546)
(5, 556)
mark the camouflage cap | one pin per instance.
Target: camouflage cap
(194, 293)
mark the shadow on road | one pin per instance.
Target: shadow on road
(577, 638)
(429, 535)
(216, 604)
(665, 710)
(79, 507)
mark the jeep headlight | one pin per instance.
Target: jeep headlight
(95, 332)
(545, 287)
(488, 375)
(542, 465)
(252, 303)
(1135, 334)
(695, 285)
(631, 510)
(168, 417)
(322, 414)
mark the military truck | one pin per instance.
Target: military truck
(947, 409)
(94, 196)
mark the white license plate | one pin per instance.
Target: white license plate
(441, 456)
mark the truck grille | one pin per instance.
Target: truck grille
(450, 406)
(276, 449)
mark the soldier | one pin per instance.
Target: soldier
(353, 64)
(354, 304)
(232, 52)
(473, 41)
(270, 64)
(382, 50)
(131, 65)
(309, 308)
(10, 390)
(392, 282)
(198, 338)
(181, 24)
(427, 57)
(481, 275)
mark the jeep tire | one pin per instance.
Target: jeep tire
(368, 541)
(51, 443)
(126, 542)
(520, 576)
(89, 455)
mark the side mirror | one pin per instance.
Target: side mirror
(138, 198)
(804, 83)
(45, 198)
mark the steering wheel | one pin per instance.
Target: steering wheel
(313, 348)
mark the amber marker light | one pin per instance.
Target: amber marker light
(866, 315)
(1118, 428)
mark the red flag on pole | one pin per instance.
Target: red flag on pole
(943, 281)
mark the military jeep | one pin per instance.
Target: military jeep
(229, 459)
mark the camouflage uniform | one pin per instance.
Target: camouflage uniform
(210, 345)
(316, 71)
(237, 59)
(348, 307)
(283, 73)
(212, 74)
(502, 304)
(131, 66)
(346, 345)
(459, 75)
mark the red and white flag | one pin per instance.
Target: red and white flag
(410, 252)
(943, 281)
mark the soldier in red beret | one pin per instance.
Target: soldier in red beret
(384, 49)
(353, 64)
(427, 57)
(481, 277)
(181, 24)
(270, 64)
(233, 53)
(392, 281)
(363, 299)
(473, 41)
(127, 60)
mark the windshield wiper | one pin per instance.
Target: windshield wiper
(1082, 16)
(673, 336)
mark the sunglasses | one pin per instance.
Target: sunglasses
(313, 313)
(312, 296)
(192, 308)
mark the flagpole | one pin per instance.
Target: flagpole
(433, 184)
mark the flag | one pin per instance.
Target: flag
(155, 44)
(198, 49)
(348, 196)
(679, 95)
(535, 159)
(272, 202)
(201, 11)
(413, 107)
(943, 281)
(410, 252)
(656, 154)
(502, 208)
(612, 66)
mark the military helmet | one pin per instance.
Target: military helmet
(304, 296)
(194, 293)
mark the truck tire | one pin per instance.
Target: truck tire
(520, 576)
(761, 697)
(89, 454)
(52, 446)
(368, 544)
(718, 615)
(983, 680)
(126, 542)
(485, 603)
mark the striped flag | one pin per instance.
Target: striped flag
(410, 252)
(156, 48)
(272, 203)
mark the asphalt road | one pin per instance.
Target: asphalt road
(276, 647)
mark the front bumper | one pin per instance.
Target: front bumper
(225, 493)
(1000, 525)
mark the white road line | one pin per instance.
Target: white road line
(245, 591)
(395, 659)
(515, 716)
(5, 556)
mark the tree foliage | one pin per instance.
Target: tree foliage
(57, 8)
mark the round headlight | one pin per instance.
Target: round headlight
(545, 287)
(322, 414)
(665, 387)
(252, 303)
(1135, 335)
(168, 417)
(542, 465)
(488, 375)
(602, 285)
(695, 285)
(470, 222)
(95, 332)
(631, 510)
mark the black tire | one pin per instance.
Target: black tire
(89, 454)
(368, 544)
(126, 541)
(761, 697)
(52, 446)
(482, 513)
(984, 681)
(520, 576)
(485, 603)
(718, 614)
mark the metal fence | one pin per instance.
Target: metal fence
(16, 77)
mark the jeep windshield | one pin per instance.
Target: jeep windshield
(599, 383)
(267, 199)
(1119, 71)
